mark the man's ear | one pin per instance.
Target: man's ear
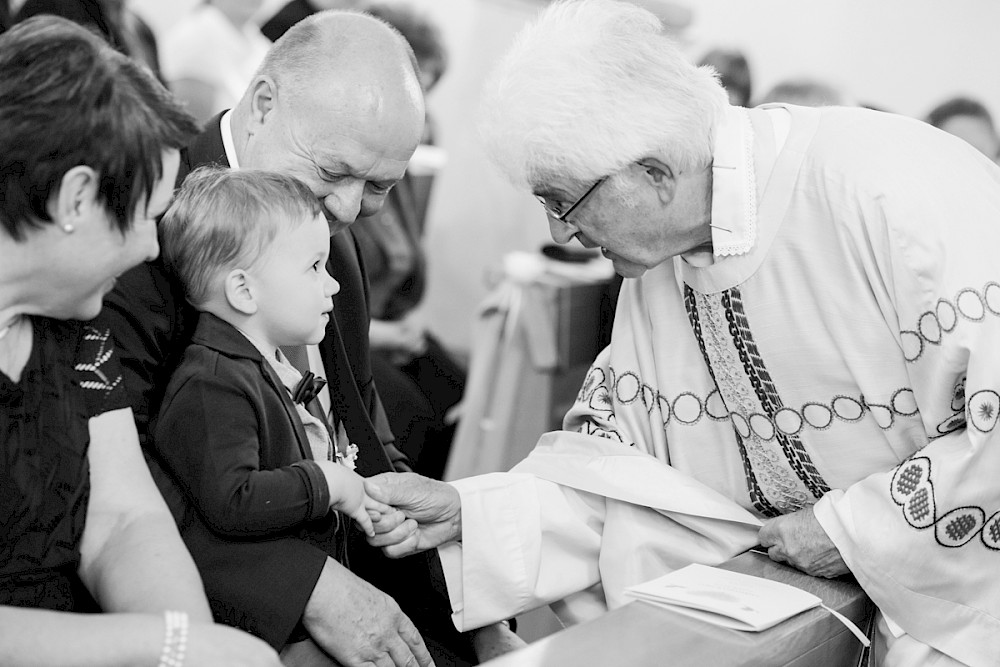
(239, 292)
(660, 176)
(263, 99)
(74, 202)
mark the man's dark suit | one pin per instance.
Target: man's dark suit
(273, 580)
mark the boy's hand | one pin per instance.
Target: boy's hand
(360, 515)
(347, 496)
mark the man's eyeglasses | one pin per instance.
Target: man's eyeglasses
(563, 216)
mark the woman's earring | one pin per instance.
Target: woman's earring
(68, 228)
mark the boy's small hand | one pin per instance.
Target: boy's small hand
(369, 512)
(347, 496)
(361, 518)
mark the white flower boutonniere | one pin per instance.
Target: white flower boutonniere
(348, 456)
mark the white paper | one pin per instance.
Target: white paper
(728, 599)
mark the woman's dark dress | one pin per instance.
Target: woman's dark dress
(71, 376)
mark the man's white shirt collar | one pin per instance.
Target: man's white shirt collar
(225, 126)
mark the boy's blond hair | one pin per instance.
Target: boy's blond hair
(224, 219)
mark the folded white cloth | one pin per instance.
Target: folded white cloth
(576, 523)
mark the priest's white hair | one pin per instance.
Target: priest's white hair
(591, 86)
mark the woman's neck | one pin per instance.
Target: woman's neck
(15, 347)
(11, 322)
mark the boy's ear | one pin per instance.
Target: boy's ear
(239, 293)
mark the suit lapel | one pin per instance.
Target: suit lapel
(300, 433)
(344, 391)
(207, 148)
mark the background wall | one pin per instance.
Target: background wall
(900, 55)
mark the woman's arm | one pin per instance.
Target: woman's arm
(132, 557)
(132, 560)
(41, 638)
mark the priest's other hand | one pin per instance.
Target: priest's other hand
(799, 540)
(428, 513)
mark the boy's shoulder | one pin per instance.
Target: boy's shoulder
(218, 348)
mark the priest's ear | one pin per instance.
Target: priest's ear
(659, 175)
(239, 292)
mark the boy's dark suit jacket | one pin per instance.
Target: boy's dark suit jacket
(225, 411)
(269, 583)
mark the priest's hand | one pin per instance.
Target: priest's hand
(799, 540)
(429, 513)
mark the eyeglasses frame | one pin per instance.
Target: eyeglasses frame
(564, 216)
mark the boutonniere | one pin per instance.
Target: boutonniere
(307, 388)
(348, 457)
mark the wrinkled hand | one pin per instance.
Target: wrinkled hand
(799, 540)
(430, 513)
(360, 625)
(211, 645)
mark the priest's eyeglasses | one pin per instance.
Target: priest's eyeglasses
(553, 210)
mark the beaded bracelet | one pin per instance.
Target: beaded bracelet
(175, 640)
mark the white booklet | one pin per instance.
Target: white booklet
(730, 599)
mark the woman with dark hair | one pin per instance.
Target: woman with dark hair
(88, 156)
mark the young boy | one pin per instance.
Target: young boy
(235, 432)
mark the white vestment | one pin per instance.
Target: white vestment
(842, 351)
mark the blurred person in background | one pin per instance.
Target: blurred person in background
(418, 379)
(734, 74)
(112, 19)
(970, 120)
(296, 10)
(88, 156)
(211, 54)
(804, 92)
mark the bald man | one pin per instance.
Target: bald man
(337, 104)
